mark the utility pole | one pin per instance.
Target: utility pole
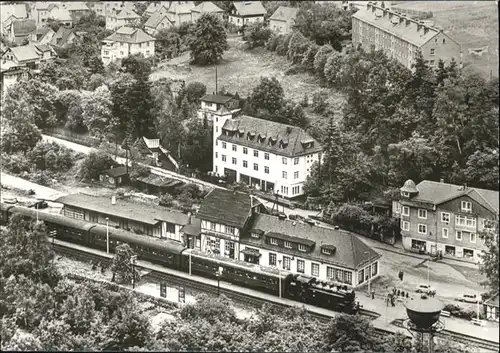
(216, 89)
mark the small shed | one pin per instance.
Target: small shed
(490, 307)
(116, 176)
(156, 184)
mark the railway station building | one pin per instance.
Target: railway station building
(156, 221)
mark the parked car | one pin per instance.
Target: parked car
(469, 298)
(425, 288)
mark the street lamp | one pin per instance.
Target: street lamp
(279, 276)
(107, 235)
(370, 276)
(132, 261)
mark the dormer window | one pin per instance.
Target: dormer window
(405, 194)
(302, 248)
(255, 235)
(287, 244)
(326, 251)
(273, 241)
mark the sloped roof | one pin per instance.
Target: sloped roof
(42, 5)
(125, 209)
(292, 136)
(207, 7)
(249, 8)
(61, 14)
(127, 14)
(437, 193)
(152, 143)
(116, 172)
(227, 207)
(77, 6)
(351, 252)
(284, 13)
(216, 98)
(493, 301)
(181, 8)
(159, 181)
(155, 19)
(23, 27)
(394, 26)
(25, 53)
(62, 33)
(130, 35)
(155, 6)
(194, 228)
(17, 10)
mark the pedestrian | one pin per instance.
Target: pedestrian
(373, 293)
(398, 293)
(403, 294)
(392, 301)
(94, 265)
(387, 300)
(407, 295)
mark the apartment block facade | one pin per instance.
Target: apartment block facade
(269, 156)
(401, 37)
(446, 218)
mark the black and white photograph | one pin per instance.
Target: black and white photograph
(249, 176)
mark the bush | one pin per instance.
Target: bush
(282, 47)
(94, 163)
(166, 200)
(256, 35)
(273, 42)
(15, 163)
(319, 104)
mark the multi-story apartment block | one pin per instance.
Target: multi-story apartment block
(211, 104)
(446, 218)
(283, 19)
(123, 18)
(237, 226)
(401, 37)
(127, 41)
(243, 13)
(264, 154)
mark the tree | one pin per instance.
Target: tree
(122, 265)
(168, 43)
(194, 91)
(489, 264)
(351, 334)
(93, 164)
(257, 34)
(97, 112)
(267, 97)
(209, 42)
(197, 146)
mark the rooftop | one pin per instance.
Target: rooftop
(155, 19)
(17, 10)
(216, 98)
(350, 251)
(130, 35)
(157, 6)
(127, 14)
(249, 8)
(23, 27)
(159, 181)
(207, 7)
(64, 34)
(436, 193)
(284, 13)
(116, 172)
(194, 228)
(493, 301)
(397, 24)
(61, 14)
(227, 207)
(269, 136)
(137, 212)
(181, 8)
(25, 53)
(77, 6)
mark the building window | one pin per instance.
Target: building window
(266, 170)
(326, 251)
(283, 175)
(406, 211)
(422, 213)
(287, 244)
(286, 263)
(234, 148)
(255, 166)
(295, 175)
(348, 277)
(472, 237)
(433, 51)
(330, 273)
(223, 145)
(272, 259)
(445, 232)
(245, 150)
(465, 221)
(273, 241)
(466, 206)
(245, 164)
(300, 266)
(284, 160)
(223, 157)
(374, 268)
(422, 229)
(296, 160)
(234, 160)
(406, 194)
(216, 155)
(266, 156)
(445, 217)
(212, 226)
(302, 247)
(458, 235)
(230, 229)
(255, 153)
(405, 225)
(315, 270)
(432, 62)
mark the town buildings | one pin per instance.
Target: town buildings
(436, 216)
(115, 176)
(157, 21)
(59, 13)
(246, 12)
(30, 56)
(11, 13)
(401, 37)
(64, 37)
(122, 18)
(127, 41)
(490, 308)
(283, 19)
(42, 35)
(156, 6)
(267, 155)
(20, 31)
(204, 8)
(211, 104)
(10, 74)
(236, 225)
(156, 221)
(180, 13)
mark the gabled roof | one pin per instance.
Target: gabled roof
(155, 6)
(42, 5)
(181, 8)
(155, 19)
(61, 14)
(396, 25)
(16, 10)
(25, 53)
(23, 27)
(64, 34)
(281, 139)
(127, 14)
(151, 143)
(284, 13)
(227, 207)
(351, 252)
(493, 301)
(249, 8)
(124, 209)
(216, 98)
(77, 6)
(116, 172)
(130, 35)
(207, 7)
(437, 193)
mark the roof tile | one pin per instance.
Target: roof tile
(249, 8)
(284, 13)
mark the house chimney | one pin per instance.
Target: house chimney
(113, 200)
(465, 187)
(441, 181)
(368, 5)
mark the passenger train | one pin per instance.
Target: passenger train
(172, 254)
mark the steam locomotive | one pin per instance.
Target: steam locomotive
(174, 255)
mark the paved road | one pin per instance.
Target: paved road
(41, 192)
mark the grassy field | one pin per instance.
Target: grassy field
(240, 71)
(473, 24)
